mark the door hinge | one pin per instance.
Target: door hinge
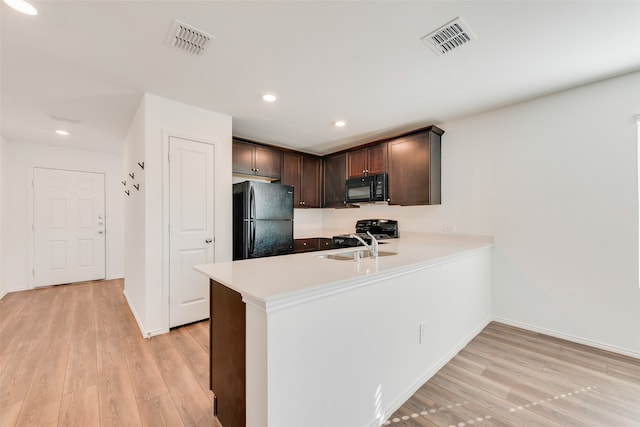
(33, 271)
(215, 405)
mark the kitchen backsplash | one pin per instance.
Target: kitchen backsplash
(307, 223)
(327, 222)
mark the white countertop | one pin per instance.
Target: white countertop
(287, 278)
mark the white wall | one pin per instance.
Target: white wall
(638, 158)
(134, 213)
(3, 292)
(555, 180)
(19, 159)
(146, 282)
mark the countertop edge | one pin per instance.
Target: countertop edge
(285, 300)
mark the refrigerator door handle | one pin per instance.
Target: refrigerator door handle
(252, 237)
(252, 222)
(252, 204)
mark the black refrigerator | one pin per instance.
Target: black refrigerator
(262, 219)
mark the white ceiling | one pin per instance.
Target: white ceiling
(359, 61)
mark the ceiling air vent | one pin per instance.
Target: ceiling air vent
(187, 38)
(450, 36)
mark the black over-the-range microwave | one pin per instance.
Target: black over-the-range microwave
(367, 189)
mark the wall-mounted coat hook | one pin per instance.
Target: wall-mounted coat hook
(124, 183)
(132, 175)
(136, 186)
(126, 192)
(141, 165)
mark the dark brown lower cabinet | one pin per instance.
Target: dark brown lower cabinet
(227, 355)
(312, 244)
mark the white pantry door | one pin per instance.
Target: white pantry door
(191, 187)
(68, 226)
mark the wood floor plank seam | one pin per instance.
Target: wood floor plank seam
(548, 382)
(111, 375)
(90, 365)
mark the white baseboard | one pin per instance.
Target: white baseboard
(572, 338)
(145, 333)
(135, 314)
(154, 332)
(430, 372)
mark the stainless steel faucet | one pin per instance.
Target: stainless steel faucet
(373, 248)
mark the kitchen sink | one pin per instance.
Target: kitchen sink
(354, 255)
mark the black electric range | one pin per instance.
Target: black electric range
(380, 229)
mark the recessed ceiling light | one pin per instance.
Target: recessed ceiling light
(339, 123)
(269, 97)
(21, 6)
(62, 132)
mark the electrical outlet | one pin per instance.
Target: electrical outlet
(423, 332)
(448, 228)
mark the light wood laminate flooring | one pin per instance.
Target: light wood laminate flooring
(73, 355)
(507, 376)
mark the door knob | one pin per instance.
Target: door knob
(208, 241)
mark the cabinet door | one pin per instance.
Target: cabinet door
(367, 161)
(242, 158)
(227, 365)
(377, 159)
(414, 170)
(335, 174)
(311, 182)
(305, 245)
(292, 175)
(357, 163)
(324, 243)
(267, 162)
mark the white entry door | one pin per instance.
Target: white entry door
(69, 226)
(191, 234)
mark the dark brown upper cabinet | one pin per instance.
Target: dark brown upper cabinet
(256, 160)
(304, 173)
(412, 161)
(366, 161)
(335, 175)
(414, 168)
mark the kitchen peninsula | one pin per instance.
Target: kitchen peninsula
(343, 342)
